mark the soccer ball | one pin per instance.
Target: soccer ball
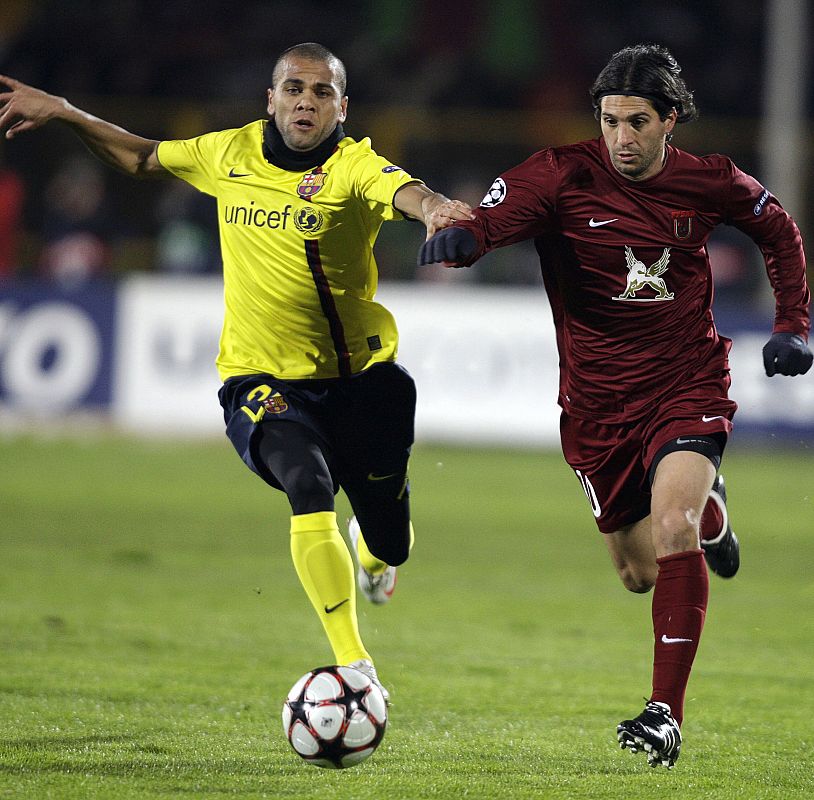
(334, 717)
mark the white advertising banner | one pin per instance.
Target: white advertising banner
(768, 401)
(484, 361)
(165, 379)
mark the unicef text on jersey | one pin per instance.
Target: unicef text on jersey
(257, 217)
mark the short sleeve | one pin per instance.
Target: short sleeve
(192, 160)
(376, 180)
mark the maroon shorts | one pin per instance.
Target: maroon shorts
(612, 461)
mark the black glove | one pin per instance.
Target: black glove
(451, 245)
(786, 354)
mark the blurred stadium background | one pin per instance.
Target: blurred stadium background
(150, 615)
(94, 266)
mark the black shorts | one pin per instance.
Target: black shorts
(365, 423)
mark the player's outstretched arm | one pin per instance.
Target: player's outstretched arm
(24, 108)
(436, 211)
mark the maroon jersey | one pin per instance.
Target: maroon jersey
(626, 267)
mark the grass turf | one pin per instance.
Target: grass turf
(151, 624)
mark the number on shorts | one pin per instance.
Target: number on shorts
(588, 488)
(260, 393)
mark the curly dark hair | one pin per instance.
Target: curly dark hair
(649, 71)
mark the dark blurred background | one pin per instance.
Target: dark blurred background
(454, 92)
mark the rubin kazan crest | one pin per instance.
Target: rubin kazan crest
(641, 277)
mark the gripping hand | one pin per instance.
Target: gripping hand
(450, 246)
(786, 354)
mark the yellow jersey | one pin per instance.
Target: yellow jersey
(298, 267)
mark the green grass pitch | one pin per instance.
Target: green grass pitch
(151, 625)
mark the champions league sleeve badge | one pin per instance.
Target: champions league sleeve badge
(496, 194)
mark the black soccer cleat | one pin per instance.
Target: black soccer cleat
(723, 552)
(654, 731)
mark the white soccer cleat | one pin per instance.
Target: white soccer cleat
(379, 588)
(366, 668)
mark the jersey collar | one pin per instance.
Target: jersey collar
(276, 152)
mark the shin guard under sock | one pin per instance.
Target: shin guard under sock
(325, 569)
(679, 608)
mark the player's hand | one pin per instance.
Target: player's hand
(24, 108)
(786, 354)
(451, 247)
(445, 214)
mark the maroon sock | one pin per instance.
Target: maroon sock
(679, 607)
(712, 520)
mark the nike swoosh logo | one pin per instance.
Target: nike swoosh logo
(705, 418)
(689, 441)
(593, 223)
(233, 174)
(669, 640)
(372, 477)
(330, 609)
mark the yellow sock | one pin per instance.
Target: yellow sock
(325, 570)
(373, 565)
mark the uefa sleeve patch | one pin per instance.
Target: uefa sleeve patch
(496, 194)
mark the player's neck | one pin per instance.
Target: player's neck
(277, 152)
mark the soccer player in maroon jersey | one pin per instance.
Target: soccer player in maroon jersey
(621, 225)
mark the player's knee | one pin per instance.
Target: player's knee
(675, 530)
(391, 548)
(309, 491)
(637, 578)
(392, 553)
(397, 555)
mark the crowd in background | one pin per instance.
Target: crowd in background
(455, 92)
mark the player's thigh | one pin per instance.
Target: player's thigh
(373, 421)
(680, 491)
(607, 460)
(300, 462)
(253, 403)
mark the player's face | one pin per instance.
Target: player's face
(306, 102)
(635, 135)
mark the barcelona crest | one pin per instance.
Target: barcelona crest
(682, 224)
(311, 183)
(275, 404)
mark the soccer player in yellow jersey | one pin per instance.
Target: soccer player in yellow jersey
(313, 399)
